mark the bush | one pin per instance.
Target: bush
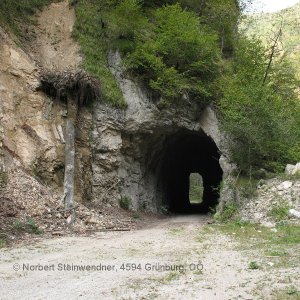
(28, 226)
(279, 211)
(3, 179)
(125, 202)
(2, 243)
(180, 56)
(228, 213)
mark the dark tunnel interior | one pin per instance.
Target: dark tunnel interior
(186, 153)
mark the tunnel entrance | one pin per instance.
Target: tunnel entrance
(186, 154)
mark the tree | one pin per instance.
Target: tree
(180, 57)
(262, 120)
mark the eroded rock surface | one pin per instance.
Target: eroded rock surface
(130, 145)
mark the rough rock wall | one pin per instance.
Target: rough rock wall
(129, 144)
(32, 125)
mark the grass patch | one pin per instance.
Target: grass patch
(3, 179)
(91, 36)
(15, 14)
(136, 216)
(285, 234)
(229, 212)
(281, 244)
(279, 212)
(291, 293)
(276, 253)
(176, 231)
(2, 243)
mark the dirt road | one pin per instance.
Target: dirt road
(209, 265)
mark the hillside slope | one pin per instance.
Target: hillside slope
(266, 26)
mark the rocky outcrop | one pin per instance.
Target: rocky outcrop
(32, 125)
(120, 154)
(130, 145)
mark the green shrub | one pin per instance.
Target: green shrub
(28, 226)
(229, 212)
(93, 41)
(253, 265)
(125, 202)
(179, 57)
(3, 179)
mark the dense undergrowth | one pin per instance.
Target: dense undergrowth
(175, 49)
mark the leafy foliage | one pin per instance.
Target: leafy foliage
(179, 58)
(263, 26)
(125, 202)
(263, 120)
(90, 34)
(174, 48)
(28, 226)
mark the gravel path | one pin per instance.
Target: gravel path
(209, 265)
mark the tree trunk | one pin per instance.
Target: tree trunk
(70, 155)
(273, 49)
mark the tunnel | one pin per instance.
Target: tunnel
(185, 153)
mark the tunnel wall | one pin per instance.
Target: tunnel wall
(130, 147)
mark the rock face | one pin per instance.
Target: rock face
(131, 146)
(32, 125)
(143, 154)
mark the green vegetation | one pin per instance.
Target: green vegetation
(2, 243)
(276, 253)
(260, 106)
(196, 188)
(277, 245)
(259, 109)
(125, 202)
(291, 293)
(279, 211)
(93, 41)
(264, 26)
(28, 226)
(229, 213)
(173, 48)
(14, 14)
(178, 58)
(135, 215)
(285, 235)
(3, 179)
(253, 265)
(189, 51)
